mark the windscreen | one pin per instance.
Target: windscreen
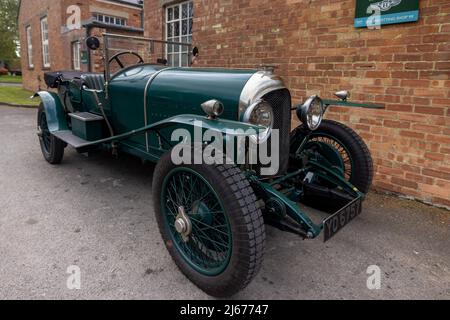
(124, 51)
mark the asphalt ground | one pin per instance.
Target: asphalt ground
(97, 214)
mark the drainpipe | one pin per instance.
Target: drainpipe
(142, 15)
(88, 34)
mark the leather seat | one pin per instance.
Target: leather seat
(95, 81)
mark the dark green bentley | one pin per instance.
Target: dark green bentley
(212, 216)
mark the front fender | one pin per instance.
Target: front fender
(225, 127)
(54, 111)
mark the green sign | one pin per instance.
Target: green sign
(84, 57)
(381, 12)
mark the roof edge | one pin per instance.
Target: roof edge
(137, 5)
(111, 26)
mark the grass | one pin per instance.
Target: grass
(11, 79)
(17, 96)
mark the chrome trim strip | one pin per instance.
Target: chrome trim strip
(147, 86)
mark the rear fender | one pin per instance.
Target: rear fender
(54, 111)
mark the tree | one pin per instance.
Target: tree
(9, 38)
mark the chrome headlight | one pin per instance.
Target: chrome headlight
(311, 112)
(260, 113)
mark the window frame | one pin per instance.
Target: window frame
(179, 53)
(45, 43)
(29, 39)
(76, 55)
(112, 20)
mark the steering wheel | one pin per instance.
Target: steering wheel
(117, 56)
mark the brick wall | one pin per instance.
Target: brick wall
(318, 51)
(60, 42)
(153, 19)
(30, 14)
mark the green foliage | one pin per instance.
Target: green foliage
(9, 31)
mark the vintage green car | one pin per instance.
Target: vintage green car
(212, 215)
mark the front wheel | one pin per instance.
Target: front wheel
(209, 221)
(344, 151)
(52, 148)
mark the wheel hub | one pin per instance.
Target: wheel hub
(183, 224)
(40, 132)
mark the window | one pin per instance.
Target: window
(45, 48)
(29, 47)
(110, 19)
(179, 19)
(76, 55)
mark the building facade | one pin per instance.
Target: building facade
(52, 34)
(317, 50)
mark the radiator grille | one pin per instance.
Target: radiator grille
(280, 100)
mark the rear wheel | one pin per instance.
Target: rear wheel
(52, 148)
(209, 221)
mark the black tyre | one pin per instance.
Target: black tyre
(52, 148)
(210, 224)
(355, 157)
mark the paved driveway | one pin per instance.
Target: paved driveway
(96, 213)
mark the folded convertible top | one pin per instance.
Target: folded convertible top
(53, 79)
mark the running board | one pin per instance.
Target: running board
(68, 137)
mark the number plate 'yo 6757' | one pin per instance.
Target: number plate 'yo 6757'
(340, 219)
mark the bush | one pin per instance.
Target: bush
(3, 72)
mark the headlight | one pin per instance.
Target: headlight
(260, 113)
(213, 108)
(311, 112)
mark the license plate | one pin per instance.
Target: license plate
(340, 219)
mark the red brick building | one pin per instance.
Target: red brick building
(317, 50)
(52, 33)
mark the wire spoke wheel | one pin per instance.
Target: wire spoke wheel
(345, 162)
(210, 223)
(52, 148)
(206, 241)
(44, 132)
